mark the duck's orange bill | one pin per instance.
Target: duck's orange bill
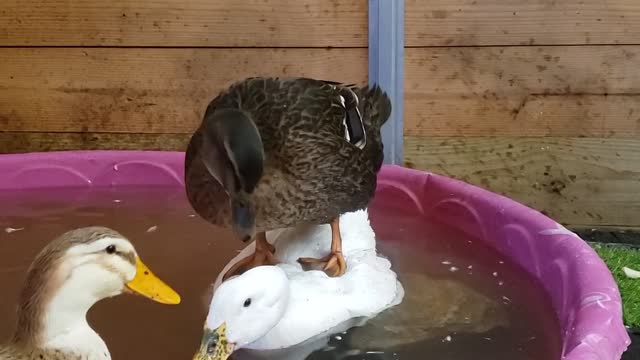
(150, 286)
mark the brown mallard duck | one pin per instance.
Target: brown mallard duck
(272, 153)
(69, 275)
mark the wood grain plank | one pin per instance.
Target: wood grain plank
(239, 23)
(521, 22)
(577, 181)
(21, 142)
(143, 90)
(566, 91)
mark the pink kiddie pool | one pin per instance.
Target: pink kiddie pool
(582, 290)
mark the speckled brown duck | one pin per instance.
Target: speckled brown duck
(66, 279)
(273, 153)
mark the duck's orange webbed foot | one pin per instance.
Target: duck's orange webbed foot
(263, 255)
(334, 263)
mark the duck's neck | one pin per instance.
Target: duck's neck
(66, 311)
(56, 318)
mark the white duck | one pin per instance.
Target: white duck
(69, 275)
(277, 307)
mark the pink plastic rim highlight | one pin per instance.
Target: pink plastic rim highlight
(584, 295)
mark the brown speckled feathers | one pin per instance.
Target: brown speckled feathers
(311, 172)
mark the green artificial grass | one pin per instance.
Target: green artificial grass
(616, 257)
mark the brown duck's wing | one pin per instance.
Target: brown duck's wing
(331, 175)
(352, 120)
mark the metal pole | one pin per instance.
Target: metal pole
(386, 68)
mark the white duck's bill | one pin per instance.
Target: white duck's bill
(215, 345)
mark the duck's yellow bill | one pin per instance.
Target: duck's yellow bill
(150, 286)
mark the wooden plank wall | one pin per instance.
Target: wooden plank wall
(126, 74)
(535, 99)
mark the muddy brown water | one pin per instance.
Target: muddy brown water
(464, 301)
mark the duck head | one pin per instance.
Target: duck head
(233, 153)
(243, 309)
(72, 273)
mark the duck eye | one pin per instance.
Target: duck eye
(111, 249)
(247, 302)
